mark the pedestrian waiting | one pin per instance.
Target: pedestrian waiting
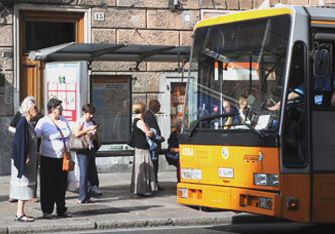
(24, 160)
(143, 180)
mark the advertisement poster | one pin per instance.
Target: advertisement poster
(111, 97)
(62, 81)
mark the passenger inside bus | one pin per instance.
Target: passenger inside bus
(232, 120)
(243, 109)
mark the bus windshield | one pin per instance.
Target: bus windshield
(237, 69)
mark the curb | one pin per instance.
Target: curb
(140, 223)
(3, 229)
(106, 225)
(63, 227)
(202, 221)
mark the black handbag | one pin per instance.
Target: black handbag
(97, 142)
(131, 140)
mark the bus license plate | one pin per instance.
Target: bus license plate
(226, 172)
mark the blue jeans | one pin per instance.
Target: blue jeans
(86, 163)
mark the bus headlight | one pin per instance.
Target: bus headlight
(266, 179)
(273, 179)
(190, 173)
(196, 174)
(185, 173)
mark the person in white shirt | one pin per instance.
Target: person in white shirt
(54, 131)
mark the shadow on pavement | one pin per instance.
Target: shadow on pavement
(3, 198)
(122, 192)
(100, 209)
(250, 218)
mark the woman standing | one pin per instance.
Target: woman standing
(24, 160)
(54, 131)
(12, 129)
(143, 181)
(86, 158)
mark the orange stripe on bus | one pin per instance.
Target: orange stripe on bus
(322, 22)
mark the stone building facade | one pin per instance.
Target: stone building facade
(148, 22)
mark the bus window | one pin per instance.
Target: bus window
(322, 76)
(294, 124)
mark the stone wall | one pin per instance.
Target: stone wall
(6, 87)
(5, 146)
(6, 63)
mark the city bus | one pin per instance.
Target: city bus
(259, 118)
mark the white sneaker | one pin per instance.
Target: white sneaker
(95, 190)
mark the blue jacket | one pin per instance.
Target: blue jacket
(21, 146)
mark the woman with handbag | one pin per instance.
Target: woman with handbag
(54, 131)
(143, 179)
(85, 130)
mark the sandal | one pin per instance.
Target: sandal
(24, 218)
(35, 199)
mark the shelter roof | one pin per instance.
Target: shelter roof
(111, 52)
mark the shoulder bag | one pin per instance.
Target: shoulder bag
(97, 142)
(68, 164)
(79, 143)
(131, 140)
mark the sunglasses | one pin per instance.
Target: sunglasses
(59, 107)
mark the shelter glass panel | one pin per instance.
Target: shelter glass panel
(111, 96)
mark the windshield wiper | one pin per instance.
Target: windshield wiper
(215, 55)
(209, 117)
(254, 130)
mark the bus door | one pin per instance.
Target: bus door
(323, 126)
(295, 180)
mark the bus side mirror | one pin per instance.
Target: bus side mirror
(321, 63)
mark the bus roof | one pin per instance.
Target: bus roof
(319, 15)
(244, 15)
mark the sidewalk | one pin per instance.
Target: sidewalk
(116, 208)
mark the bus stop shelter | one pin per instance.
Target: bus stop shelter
(90, 52)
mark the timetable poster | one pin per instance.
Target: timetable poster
(111, 96)
(61, 82)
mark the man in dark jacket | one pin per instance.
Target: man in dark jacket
(150, 119)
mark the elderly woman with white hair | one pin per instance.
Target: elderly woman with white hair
(24, 160)
(12, 129)
(18, 114)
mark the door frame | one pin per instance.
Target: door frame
(17, 31)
